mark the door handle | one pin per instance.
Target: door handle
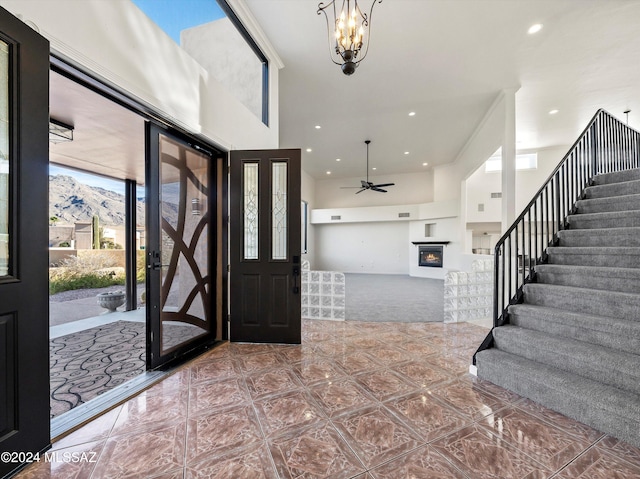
(296, 279)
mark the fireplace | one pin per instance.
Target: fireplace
(430, 256)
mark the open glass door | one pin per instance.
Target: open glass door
(181, 205)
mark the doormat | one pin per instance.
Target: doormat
(88, 363)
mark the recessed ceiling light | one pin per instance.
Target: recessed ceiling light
(337, 159)
(535, 28)
(406, 152)
(425, 164)
(328, 172)
(412, 113)
(318, 127)
(309, 150)
(553, 112)
(374, 168)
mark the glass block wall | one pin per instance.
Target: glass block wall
(323, 295)
(469, 294)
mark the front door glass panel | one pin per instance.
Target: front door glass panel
(184, 250)
(4, 159)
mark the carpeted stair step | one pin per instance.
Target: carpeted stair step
(619, 369)
(592, 277)
(608, 256)
(620, 334)
(600, 237)
(605, 408)
(612, 189)
(588, 301)
(617, 177)
(609, 219)
(613, 203)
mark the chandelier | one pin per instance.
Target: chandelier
(350, 32)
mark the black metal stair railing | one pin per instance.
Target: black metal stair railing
(606, 145)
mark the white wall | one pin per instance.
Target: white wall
(481, 184)
(363, 247)
(409, 188)
(307, 193)
(116, 41)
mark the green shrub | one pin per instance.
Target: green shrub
(63, 282)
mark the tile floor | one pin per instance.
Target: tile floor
(356, 400)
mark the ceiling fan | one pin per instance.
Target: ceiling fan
(367, 185)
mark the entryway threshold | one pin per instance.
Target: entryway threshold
(70, 421)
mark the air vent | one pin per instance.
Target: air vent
(496, 195)
(480, 206)
(404, 215)
(336, 217)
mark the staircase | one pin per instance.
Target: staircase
(572, 344)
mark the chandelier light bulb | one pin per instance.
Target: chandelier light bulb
(350, 27)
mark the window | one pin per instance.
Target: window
(527, 161)
(211, 33)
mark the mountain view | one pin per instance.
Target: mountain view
(72, 201)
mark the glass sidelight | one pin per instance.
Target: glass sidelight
(4, 159)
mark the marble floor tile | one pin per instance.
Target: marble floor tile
(422, 463)
(217, 395)
(357, 361)
(252, 363)
(317, 370)
(598, 464)
(422, 374)
(356, 400)
(620, 449)
(575, 428)
(481, 455)
(469, 401)
(429, 418)
(389, 355)
(176, 382)
(547, 444)
(142, 455)
(451, 363)
(213, 435)
(340, 396)
(418, 349)
(253, 462)
(317, 451)
(283, 411)
(145, 412)
(376, 435)
(54, 465)
(213, 370)
(99, 428)
(384, 384)
(272, 381)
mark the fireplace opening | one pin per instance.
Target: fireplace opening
(430, 256)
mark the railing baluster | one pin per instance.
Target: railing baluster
(606, 145)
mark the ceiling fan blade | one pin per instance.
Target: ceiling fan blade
(384, 184)
(360, 190)
(347, 187)
(373, 188)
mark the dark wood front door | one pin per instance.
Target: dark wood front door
(181, 225)
(265, 246)
(24, 305)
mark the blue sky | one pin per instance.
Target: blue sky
(176, 15)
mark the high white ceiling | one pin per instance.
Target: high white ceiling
(447, 60)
